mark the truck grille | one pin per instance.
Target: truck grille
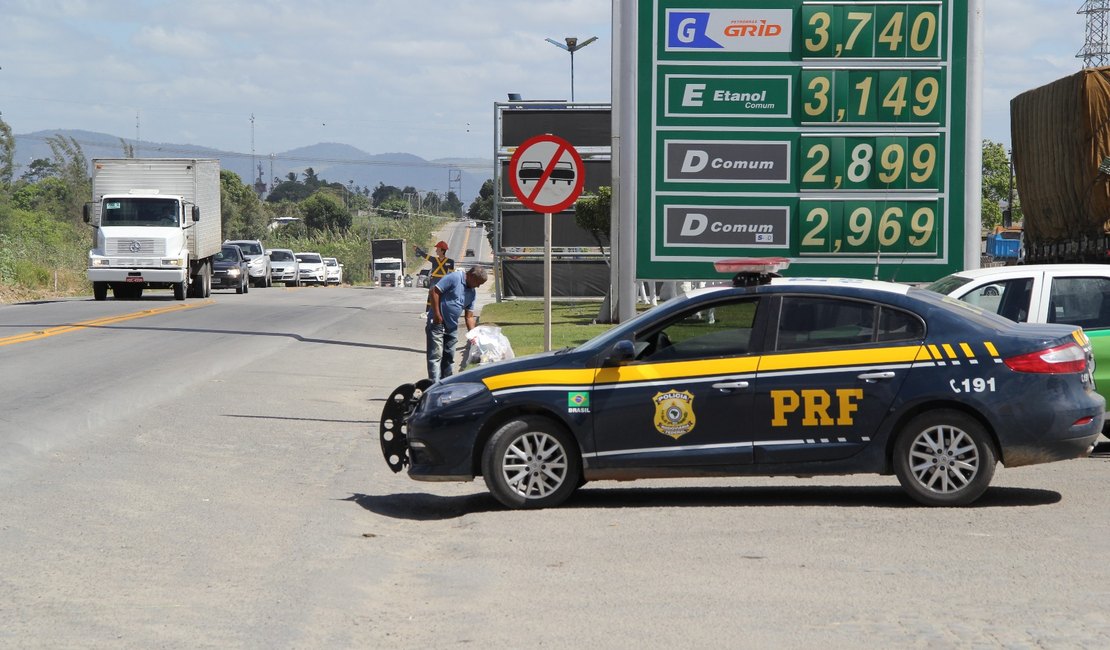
(136, 246)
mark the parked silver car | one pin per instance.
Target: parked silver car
(285, 267)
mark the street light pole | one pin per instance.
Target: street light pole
(572, 45)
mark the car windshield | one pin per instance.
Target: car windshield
(249, 248)
(281, 256)
(330, 261)
(948, 284)
(311, 258)
(227, 254)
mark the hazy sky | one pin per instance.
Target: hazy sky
(417, 76)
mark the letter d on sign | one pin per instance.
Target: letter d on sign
(695, 161)
(694, 225)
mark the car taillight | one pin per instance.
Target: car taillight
(1061, 359)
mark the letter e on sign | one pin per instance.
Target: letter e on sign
(546, 174)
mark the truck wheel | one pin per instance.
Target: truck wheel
(100, 290)
(180, 288)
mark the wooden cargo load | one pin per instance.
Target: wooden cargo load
(1060, 134)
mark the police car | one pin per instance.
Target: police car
(790, 377)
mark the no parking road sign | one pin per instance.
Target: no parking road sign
(546, 174)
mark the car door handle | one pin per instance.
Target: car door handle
(727, 385)
(875, 376)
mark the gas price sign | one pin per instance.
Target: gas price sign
(833, 133)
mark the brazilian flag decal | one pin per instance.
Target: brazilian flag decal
(578, 402)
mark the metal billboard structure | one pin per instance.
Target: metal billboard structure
(578, 263)
(843, 135)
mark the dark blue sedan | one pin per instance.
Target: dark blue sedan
(793, 377)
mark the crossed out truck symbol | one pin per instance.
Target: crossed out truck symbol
(532, 170)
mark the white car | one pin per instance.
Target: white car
(1075, 294)
(313, 268)
(284, 267)
(335, 270)
(258, 263)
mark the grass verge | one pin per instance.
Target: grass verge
(521, 321)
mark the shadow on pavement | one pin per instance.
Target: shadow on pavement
(430, 507)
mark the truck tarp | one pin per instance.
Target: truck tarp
(1060, 133)
(387, 248)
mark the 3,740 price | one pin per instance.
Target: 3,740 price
(859, 96)
(871, 163)
(872, 31)
(868, 227)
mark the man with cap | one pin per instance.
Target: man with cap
(441, 266)
(452, 297)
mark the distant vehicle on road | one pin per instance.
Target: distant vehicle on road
(258, 264)
(229, 269)
(284, 267)
(313, 268)
(469, 252)
(472, 224)
(334, 269)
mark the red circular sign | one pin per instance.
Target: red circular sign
(546, 174)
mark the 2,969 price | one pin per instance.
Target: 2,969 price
(872, 31)
(870, 163)
(868, 227)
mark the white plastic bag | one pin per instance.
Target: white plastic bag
(486, 344)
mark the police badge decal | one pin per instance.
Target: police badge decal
(674, 413)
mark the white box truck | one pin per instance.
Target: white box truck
(157, 224)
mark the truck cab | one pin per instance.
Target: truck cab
(388, 271)
(141, 240)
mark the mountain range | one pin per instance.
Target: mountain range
(332, 162)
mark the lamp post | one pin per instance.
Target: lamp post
(572, 45)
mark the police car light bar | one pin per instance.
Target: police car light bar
(752, 271)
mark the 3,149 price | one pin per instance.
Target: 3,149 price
(868, 96)
(869, 227)
(870, 163)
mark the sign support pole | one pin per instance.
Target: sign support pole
(547, 281)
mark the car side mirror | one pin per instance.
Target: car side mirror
(196, 213)
(622, 352)
(86, 213)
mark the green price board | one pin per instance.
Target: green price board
(833, 133)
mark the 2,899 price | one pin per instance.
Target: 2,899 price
(868, 227)
(870, 163)
(866, 31)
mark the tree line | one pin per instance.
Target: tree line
(44, 241)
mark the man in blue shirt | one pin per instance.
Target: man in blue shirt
(452, 297)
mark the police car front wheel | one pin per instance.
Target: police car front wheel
(531, 462)
(944, 458)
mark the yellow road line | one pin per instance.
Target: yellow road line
(99, 322)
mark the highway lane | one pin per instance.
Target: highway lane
(162, 488)
(180, 478)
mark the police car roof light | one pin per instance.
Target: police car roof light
(752, 271)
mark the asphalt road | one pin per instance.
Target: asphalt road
(209, 476)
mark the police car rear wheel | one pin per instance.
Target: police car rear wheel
(944, 458)
(531, 463)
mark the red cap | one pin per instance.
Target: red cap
(441, 244)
